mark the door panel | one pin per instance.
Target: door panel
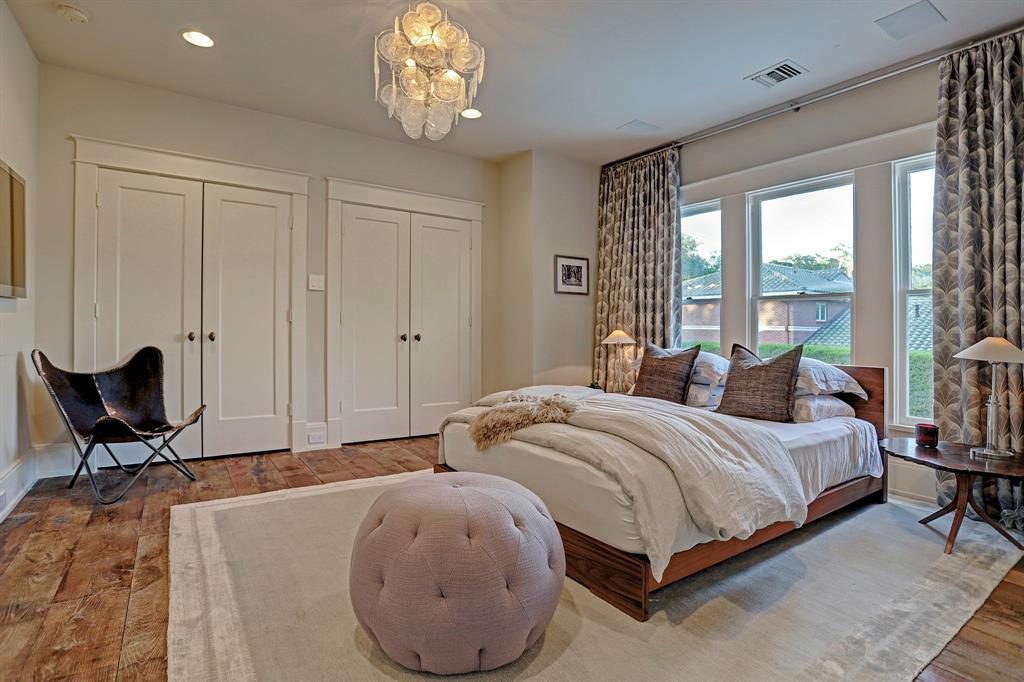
(374, 316)
(439, 315)
(245, 325)
(148, 260)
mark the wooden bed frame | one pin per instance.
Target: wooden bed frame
(625, 580)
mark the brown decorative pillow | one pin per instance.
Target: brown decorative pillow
(665, 374)
(761, 389)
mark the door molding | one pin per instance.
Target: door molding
(341, 192)
(92, 154)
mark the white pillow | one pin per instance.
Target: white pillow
(813, 408)
(701, 395)
(820, 378)
(710, 370)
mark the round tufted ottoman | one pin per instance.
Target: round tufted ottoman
(458, 572)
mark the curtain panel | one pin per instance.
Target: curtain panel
(638, 259)
(977, 285)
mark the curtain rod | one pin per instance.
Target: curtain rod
(819, 96)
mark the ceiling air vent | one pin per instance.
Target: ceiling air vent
(774, 75)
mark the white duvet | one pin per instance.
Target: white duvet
(734, 476)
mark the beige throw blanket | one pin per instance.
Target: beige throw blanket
(498, 425)
(734, 477)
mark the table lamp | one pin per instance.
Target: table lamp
(618, 338)
(992, 350)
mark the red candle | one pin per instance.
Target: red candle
(927, 435)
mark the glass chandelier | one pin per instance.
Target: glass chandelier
(435, 71)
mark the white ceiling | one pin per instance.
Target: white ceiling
(562, 75)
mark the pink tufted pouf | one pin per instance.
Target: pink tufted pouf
(458, 572)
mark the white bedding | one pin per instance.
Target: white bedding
(583, 497)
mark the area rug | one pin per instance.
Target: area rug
(259, 591)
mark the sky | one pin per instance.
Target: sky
(816, 222)
(922, 188)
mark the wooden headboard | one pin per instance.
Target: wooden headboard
(875, 382)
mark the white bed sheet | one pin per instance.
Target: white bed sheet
(826, 453)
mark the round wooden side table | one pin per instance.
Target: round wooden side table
(956, 458)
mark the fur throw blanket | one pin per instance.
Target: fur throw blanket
(498, 424)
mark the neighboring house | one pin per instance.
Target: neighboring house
(919, 326)
(782, 321)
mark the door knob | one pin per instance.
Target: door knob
(191, 336)
(418, 337)
(404, 337)
(212, 336)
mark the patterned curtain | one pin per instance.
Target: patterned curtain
(638, 260)
(977, 285)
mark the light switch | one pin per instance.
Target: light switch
(316, 282)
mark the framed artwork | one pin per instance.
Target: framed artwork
(572, 275)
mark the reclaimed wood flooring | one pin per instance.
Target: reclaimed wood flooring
(83, 587)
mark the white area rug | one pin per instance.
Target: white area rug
(259, 590)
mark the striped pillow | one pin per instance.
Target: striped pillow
(761, 389)
(665, 374)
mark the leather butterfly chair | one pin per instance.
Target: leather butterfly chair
(124, 404)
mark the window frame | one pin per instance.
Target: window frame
(821, 311)
(754, 257)
(690, 210)
(901, 172)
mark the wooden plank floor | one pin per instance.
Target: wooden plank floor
(83, 587)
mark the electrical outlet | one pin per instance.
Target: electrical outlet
(316, 438)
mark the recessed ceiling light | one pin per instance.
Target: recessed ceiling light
(471, 113)
(197, 38)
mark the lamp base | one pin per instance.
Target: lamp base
(992, 453)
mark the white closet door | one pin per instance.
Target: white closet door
(374, 318)
(439, 320)
(245, 320)
(148, 260)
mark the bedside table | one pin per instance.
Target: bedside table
(956, 458)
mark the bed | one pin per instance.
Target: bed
(604, 542)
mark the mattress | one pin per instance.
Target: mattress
(826, 453)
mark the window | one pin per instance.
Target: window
(701, 227)
(802, 268)
(914, 181)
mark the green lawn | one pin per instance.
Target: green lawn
(921, 383)
(836, 355)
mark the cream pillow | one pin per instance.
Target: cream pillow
(704, 396)
(814, 408)
(820, 378)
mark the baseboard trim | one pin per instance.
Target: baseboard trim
(16, 482)
(911, 480)
(334, 432)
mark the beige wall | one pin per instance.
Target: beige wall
(548, 207)
(515, 319)
(19, 79)
(565, 223)
(862, 132)
(72, 102)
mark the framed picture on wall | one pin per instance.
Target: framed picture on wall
(572, 275)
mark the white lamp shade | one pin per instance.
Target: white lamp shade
(618, 337)
(992, 349)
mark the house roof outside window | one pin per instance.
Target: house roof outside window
(776, 279)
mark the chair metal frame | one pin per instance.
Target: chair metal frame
(85, 446)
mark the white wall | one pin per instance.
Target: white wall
(72, 102)
(548, 207)
(565, 223)
(19, 80)
(862, 131)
